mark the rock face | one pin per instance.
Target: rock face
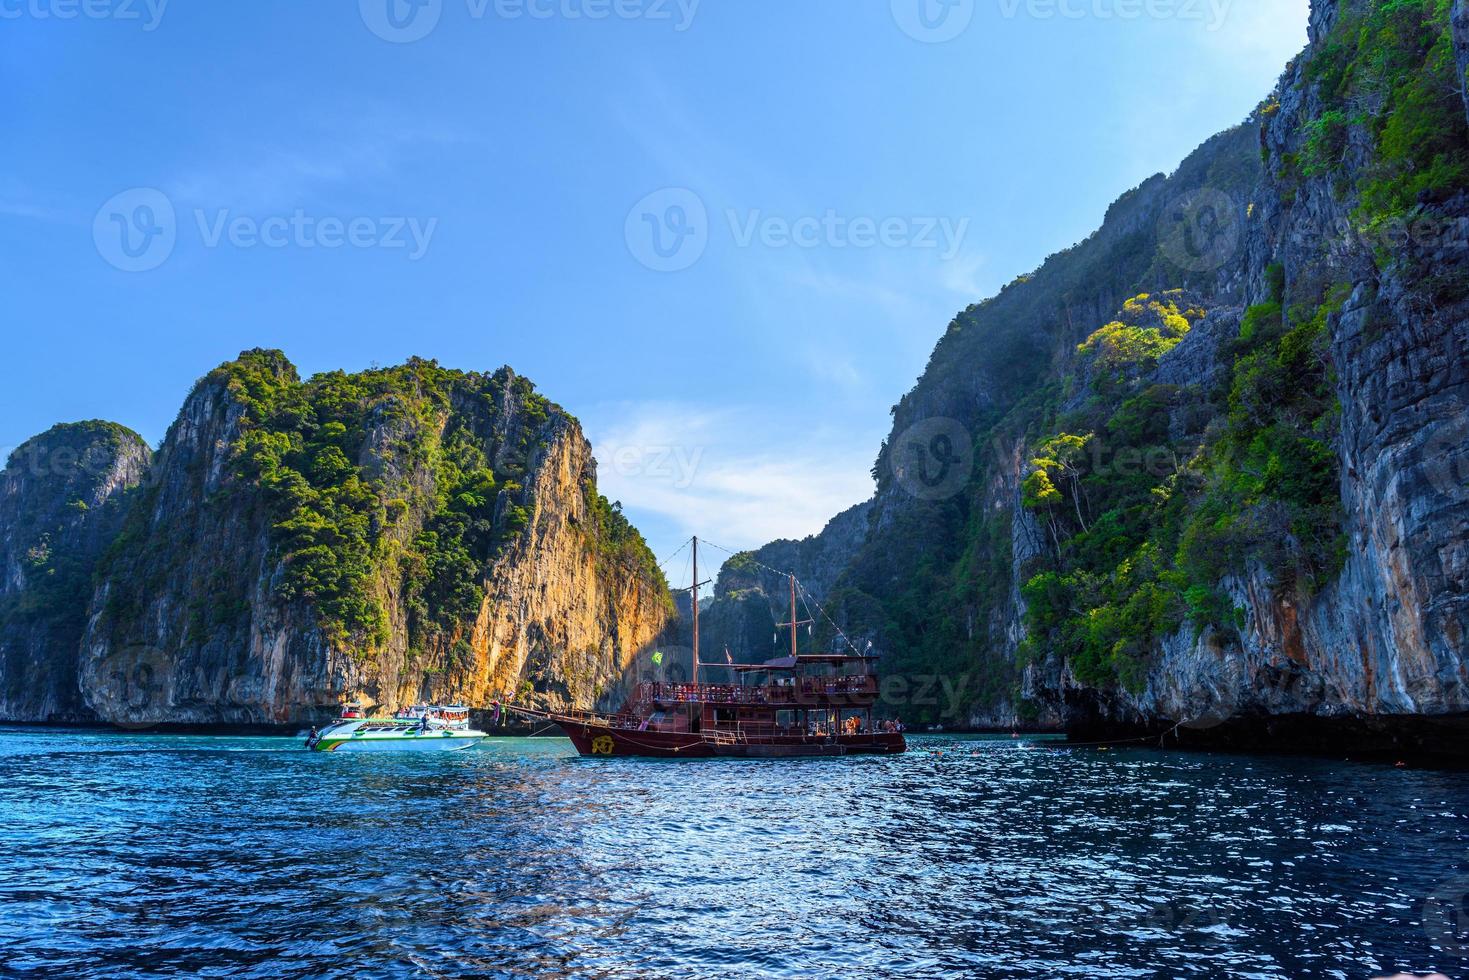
(1349, 244)
(404, 535)
(935, 583)
(558, 620)
(816, 561)
(1378, 655)
(1461, 47)
(751, 596)
(63, 496)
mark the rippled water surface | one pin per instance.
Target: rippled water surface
(137, 855)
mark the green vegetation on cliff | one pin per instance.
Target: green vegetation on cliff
(1104, 590)
(1388, 71)
(402, 484)
(336, 522)
(63, 498)
(1169, 490)
(1147, 501)
(933, 583)
(620, 547)
(55, 475)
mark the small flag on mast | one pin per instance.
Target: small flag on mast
(727, 657)
(658, 658)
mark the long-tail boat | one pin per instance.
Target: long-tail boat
(802, 704)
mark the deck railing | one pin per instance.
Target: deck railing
(805, 690)
(737, 733)
(742, 732)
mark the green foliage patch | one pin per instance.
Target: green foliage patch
(404, 483)
(59, 471)
(1390, 71)
(1148, 520)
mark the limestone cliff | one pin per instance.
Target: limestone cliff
(1377, 653)
(935, 583)
(751, 596)
(63, 496)
(406, 534)
(1461, 47)
(1207, 472)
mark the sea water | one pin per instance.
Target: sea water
(147, 855)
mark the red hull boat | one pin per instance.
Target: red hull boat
(795, 716)
(805, 704)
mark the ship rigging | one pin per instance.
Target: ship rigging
(801, 704)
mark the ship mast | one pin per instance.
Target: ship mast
(794, 621)
(696, 609)
(793, 615)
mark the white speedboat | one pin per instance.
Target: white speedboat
(422, 728)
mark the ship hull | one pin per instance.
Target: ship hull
(426, 743)
(605, 742)
(597, 740)
(371, 736)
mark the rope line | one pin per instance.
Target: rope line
(801, 591)
(664, 562)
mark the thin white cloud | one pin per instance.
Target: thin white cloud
(961, 275)
(19, 201)
(740, 476)
(834, 368)
(899, 304)
(14, 208)
(1260, 34)
(275, 176)
(271, 178)
(861, 325)
(1240, 49)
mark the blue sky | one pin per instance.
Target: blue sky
(481, 181)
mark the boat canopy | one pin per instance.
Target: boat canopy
(791, 663)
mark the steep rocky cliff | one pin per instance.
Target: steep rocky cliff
(1205, 473)
(1461, 46)
(400, 535)
(936, 585)
(752, 596)
(63, 496)
(1357, 247)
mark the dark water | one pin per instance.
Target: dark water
(135, 855)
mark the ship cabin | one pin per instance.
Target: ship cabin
(805, 695)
